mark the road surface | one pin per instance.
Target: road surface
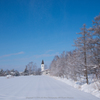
(39, 88)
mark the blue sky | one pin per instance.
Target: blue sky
(32, 30)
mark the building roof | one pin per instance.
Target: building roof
(42, 62)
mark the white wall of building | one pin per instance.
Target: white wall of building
(42, 67)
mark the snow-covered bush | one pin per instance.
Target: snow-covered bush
(9, 76)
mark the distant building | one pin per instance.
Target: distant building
(43, 70)
(42, 66)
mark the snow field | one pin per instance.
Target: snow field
(39, 88)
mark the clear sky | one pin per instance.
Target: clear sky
(32, 30)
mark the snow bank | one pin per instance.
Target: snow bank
(93, 88)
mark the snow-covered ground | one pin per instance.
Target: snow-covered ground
(91, 88)
(39, 88)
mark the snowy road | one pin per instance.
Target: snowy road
(39, 88)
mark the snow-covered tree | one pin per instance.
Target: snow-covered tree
(82, 44)
(95, 45)
(84, 60)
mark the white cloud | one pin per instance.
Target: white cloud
(11, 54)
(49, 51)
(46, 55)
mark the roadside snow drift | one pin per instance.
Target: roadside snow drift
(91, 88)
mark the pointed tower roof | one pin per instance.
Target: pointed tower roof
(42, 62)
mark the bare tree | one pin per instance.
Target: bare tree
(45, 67)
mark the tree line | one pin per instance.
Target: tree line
(9, 72)
(32, 69)
(84, 61)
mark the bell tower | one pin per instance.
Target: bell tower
(42, 66)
